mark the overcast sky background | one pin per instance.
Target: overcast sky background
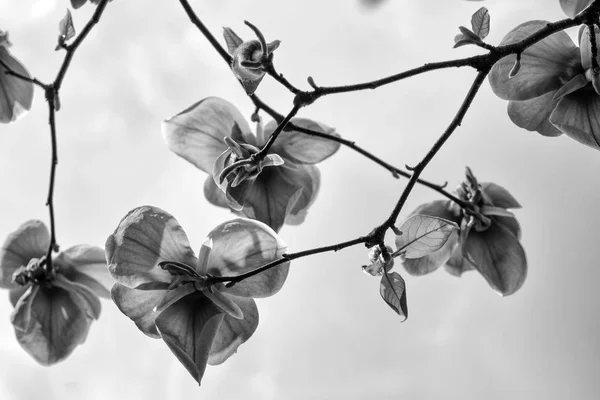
(327, 334)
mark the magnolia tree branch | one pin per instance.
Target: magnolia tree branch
(72, 48)
(396, 172)
(482, 63)
(260, 105)
(51, 94)
(378, 234)
(280, 127)
(284, 258)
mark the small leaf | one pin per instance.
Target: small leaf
(232, 39)
(469, 34)
(66, 29)
(393, 291)
(422, 235)
(480, 22)
(462, 40)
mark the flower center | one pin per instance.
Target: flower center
(35, 272)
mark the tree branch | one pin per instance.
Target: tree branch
(379, 233)
(285, 258)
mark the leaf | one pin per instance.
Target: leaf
(480, 22)
(232, 39)
(66, 29)
(469, 34)
(422, 235)
(462, 40)
(393, 291)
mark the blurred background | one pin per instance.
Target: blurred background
(327, 334)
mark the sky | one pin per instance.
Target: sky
(327, 334)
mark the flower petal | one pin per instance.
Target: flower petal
(574, 7)
(15, 294)
(273, 197)
(30, 240)
(534, 114)
(86, 264)
(242, 245)
(146, 236)
(197, 133)
(545, 66)
(58, 325)
(303, 148)
(140, 304)
(578, 116)
(498, 256)
(21, 315)
(88, 301)
(77, 3)
(224, 302)
(189, 328)
(511, 224)
(233, 332)
(16, 95)
(214, 194)
(499, 196)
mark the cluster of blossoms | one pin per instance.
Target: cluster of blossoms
(167, 291)
(557, 88)
(55, 307)
(202, 306)
(488, 240)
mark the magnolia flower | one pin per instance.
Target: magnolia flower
(488, 240)
(214, 136)
(555, 90)
(53, 309)
(16, 94)
(165, 289)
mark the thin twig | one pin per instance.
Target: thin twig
(265, 150)
(51, 95)
(54, 162)
(213, 41)
(379, 232)
(285, 258)
(78, 40)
